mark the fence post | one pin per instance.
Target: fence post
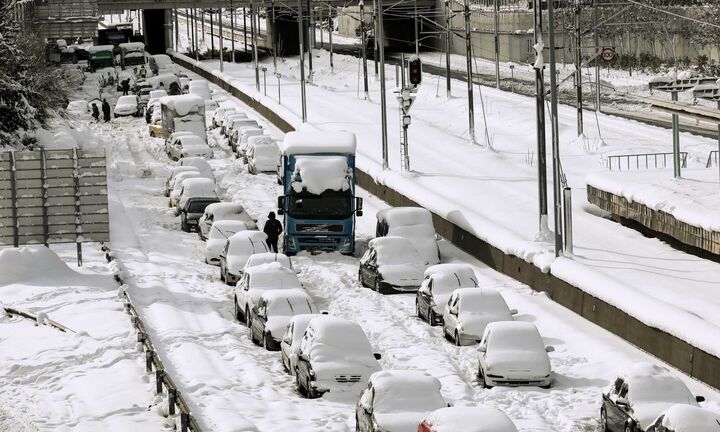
(184, 421)
(172, 396)
(567, 212)
(44, 186)
(78, 222)
(148, 361)
(159, 381)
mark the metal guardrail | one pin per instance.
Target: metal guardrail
(710, 159)
(152, 360)
(651, 160)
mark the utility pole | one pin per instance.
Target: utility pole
(212, 35)
(254, 42)
(188, 25)
(497, 44)
(202, 23)
(301, 30)
(417, 38)
(375, 38)
(597, 59)
(310, 41)
(676, 139)
(195, 36)
(274, 45)
(468, 65)
(232, 30)
(578, 65)
(177, 30)
(245, 28)
(380, 41)
(557, 193)
(540, 120)
(364, 48)
(220, 25)
(330, 32)
(448, 86)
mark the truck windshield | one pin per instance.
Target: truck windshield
(328, 205)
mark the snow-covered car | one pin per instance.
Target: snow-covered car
(437, 286)
(244, 134)
(636, 399)
(335, 356)
(686, 418)
(189, 146)
(238, 249)
(224, 211)
(397, 401)
(268, 257)
(259, 279)
(127, 106)
(200, 187)
(470, 310)
(177, 184)
(391, 264)
(161, 63)
(236, 127)
(227, 120)
(290, 344)
(202, 89)
(173, 138)
(272, 313)
(512, 353)
(219, 113)
(262, 155)
(199, 163)
(413, 223)
(467, 419)
(219, 233)
(153, 103)
(191, 210)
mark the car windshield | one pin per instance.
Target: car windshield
(198, 206)
(658, 388)
(280, 280)
(289, 307)
(482, 302)
(328, 205)
(515, 339)
(404, 398)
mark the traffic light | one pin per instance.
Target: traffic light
(415, 70)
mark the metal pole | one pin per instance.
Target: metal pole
(497, 44)
(676, 139)
(277, 74)
(245, 28)
(578, 72)
(375, 38)
(274, 30)
(310, 33)
(264, 70)
(364, 48)
(468, 65)
(567, 207)
(177, 30)
(301, 39)
(555, 132)
(597, 60)
(417, 38)
(718, 155)
(202, 23)
(197, 41)
(220, 25)
(254, 42)
(540, 122)
(212, 36)
(330, 32)
(232, 30)
(447, 48)
(187, 25)
(380, 41)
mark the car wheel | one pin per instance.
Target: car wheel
(252, 337)
(222, 275)
(266, 342)
(377, 286)
(431, 317)
(603, 421)
(247, 316)
(417, 309)
(237, 309)
(286, 368)
(629, 428)
(299, 386)
(457, 338)
(481, 378)
(183, 224)
(310, 392)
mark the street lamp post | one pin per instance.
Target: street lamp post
(380, 41)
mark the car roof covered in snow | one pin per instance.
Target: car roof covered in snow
(268, 257)
(224, 209)
(192, 140)
(340, 332)
(127, 100)
(456, 275)
(272, 275)
(183, 104)
(651, 382)
(199, 185)
(402, 380)
(99, 48)
(395, 250)
(319, 142)
(132, 46)
(157, 94)
(162, 59)
(512, 335)
(404, 216)
(230, 225)
(688, 418)
(261, 139)
(200, 163)
(286, 295)
(470, 419)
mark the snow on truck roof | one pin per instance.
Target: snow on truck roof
(183, 104)
(99, 48)
(318, 174)
(132, 46)
(319, 142)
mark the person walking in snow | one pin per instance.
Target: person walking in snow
(143, 72)
(106, 111)
(273, 228)
(125, 86)
(95, 112)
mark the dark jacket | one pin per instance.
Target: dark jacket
(273, 228)
(126, 85)
(95, 111)
(106, 110)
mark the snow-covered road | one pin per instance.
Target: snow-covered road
(233, 385)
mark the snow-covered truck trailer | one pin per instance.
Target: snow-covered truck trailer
(100, 56)
(132, 54)
(318, 204)
(183, 113)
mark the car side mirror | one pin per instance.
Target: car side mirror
(359, 206)
(281, 205)
(324, 313)
(699, 398)
(549, 348)
(482, 347)
(513, 311)
(377, 356)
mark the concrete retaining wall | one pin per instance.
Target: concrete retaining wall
(687, 358)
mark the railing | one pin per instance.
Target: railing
(711, 158)
(644, 160)
(187, 421)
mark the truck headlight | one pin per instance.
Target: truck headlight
(345, 246)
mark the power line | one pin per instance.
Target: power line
(673, 14)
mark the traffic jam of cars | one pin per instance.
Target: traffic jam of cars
(329, 354)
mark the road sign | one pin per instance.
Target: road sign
(406, 97)
(608, 54)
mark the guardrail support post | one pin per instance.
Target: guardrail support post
(184, 421)
(172, 397)
(148, 361)
(567, 213)
(676, 140)
(159, 381)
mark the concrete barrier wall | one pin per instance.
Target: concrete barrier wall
(680, 354)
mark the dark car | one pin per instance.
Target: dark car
(191, 212)
(635, 401)
(391, 265)
(272, 313)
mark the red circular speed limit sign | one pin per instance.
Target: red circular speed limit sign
(608, 54)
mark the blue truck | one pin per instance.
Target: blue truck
(318, 204)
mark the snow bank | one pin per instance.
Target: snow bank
(183, 104)
(319, 142)
(35, 265)
(318, 174)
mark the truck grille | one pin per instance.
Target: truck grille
(347, 378)
(319, 227)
